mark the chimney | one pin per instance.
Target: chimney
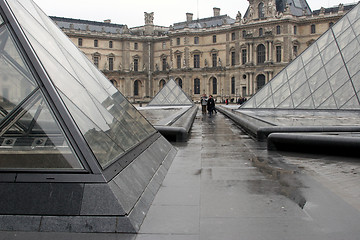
(107, 21)
(216, 11)
(189, 17)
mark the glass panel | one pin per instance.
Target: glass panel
(345, 38)
(344, 94)
(281, 95)
(329, 104)
(324, 40)
(309, 54)
(350, 50)
(334, 65)
(354, 14)
(103, 147)
(341, 26)
(356, 27)
(329, 52)
(268, 103)
(317, 80)
(294, 66)
(1, 20)
(353, 65)
(107, 121)
(322, 94)
(278, 81)
(356, 81)
(16, 81)
(262, 95)
(307, 104)
(353, 103)
(36, 141)
(297, 80)
(286, 104)
(338, 79)
(313, 66)
(301, 94)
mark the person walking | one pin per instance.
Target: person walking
(210, 105)
(203, 102)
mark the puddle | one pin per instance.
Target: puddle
(287, 185)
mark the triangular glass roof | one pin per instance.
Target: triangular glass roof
(53, 96)
(170, 95)
(325, 76)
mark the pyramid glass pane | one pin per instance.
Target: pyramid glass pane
(353, 65)
(170, 94)
(301, 94)
(326, 39)
(1, 20)
(341, 26)
(298, 80)
(16, 81)
(36, 139)
(313, 66)
(308, 55)
(350, 50)
(281, 95)
(342, 95)
(356, 27)
(87, 94)
(278, 81)
(329, 52)
(352, 104)
(338, 79)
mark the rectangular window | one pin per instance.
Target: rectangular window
(313, 29)
(80, 42)
(278, 30)
(233, 85)
(96, 61)
(178, 41)
(196, 61)
(214, 59)
(136, 46)
(278, 53)
(214, 39)
(244, 56)
(136, 65)
(196, 86)
(295, 30)
(110, 44)
(233, 59)
(164, 64)
(111, 64)
(178, 61)
(164, 45)
(233, 36)
(196, 40)
(96, 43)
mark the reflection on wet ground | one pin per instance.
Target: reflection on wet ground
(224, 185)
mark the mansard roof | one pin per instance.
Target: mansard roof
(85, 25)
(205, 22)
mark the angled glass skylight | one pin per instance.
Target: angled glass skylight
(170, 95)
(325, 76)
(108, 123)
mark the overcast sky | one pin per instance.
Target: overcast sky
(166, 12)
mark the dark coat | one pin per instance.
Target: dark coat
(210, 104)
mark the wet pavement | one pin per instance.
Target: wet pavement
(224, 185)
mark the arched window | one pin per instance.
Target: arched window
(179, 82)
(260, 81)
(162, 83)
(137, 85)
(261, 10)
(113, 82)
(260, 53)
(196, 86)
(214, 85)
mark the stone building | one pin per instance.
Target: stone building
(226, 57)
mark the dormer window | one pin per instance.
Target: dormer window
(261, 10)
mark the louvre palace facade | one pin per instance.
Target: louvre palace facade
(219, 55)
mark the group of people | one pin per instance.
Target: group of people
(208, 104)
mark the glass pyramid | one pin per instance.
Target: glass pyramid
(326, 76)
(171, 95)
(55, 97)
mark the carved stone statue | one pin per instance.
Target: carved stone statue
(238, 16)
(149, 18)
